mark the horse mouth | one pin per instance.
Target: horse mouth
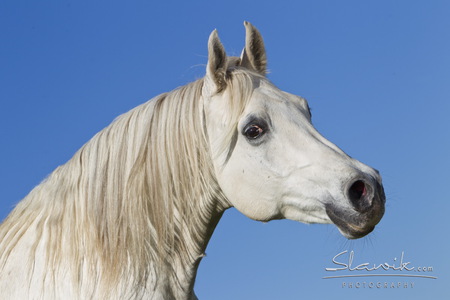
(353, 225)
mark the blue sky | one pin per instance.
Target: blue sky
(376, 74)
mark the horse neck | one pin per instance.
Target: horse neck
(122, 205)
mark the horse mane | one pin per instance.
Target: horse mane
(127, 200)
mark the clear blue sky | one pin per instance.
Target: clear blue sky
(376, 74)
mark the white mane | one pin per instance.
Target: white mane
(127, 200)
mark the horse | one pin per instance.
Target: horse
(129, 216)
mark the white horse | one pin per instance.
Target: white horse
(130, 215)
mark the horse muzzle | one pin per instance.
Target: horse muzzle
(366, 201)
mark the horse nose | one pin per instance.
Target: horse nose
(361, 195)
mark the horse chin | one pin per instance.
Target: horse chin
(353, 225)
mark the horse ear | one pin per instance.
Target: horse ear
(253, 56)
(217, 62)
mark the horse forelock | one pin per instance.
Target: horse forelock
(240, 84)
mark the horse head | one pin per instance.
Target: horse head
(269, 160)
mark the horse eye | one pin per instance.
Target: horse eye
(253, 132)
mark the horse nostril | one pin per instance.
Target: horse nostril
(358, 190)
(358, 196)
